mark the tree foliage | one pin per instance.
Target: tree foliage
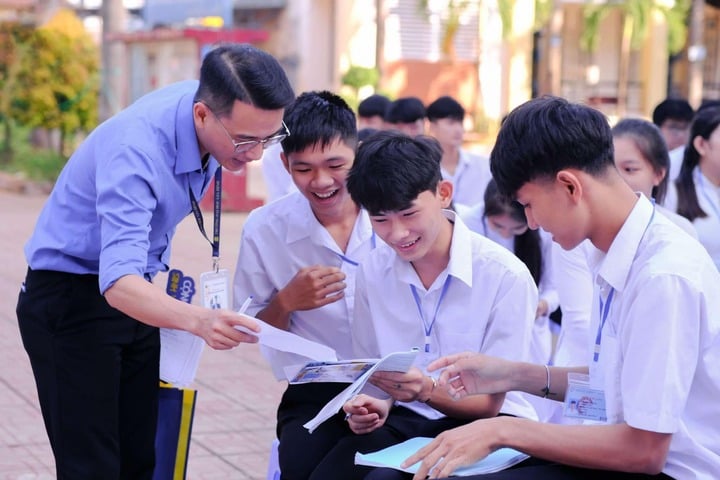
(51, 76)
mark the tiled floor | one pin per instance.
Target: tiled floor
(237, 394)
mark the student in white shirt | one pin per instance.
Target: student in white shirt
(434, 285)
(468, 172)
(698, 185)
(656, 321)
(298, 259)
(642, 159)
(503, 221)
(673, 116)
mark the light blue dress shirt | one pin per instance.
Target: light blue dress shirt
(116, 204)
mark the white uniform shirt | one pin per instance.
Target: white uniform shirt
(489, 307)
(278, 181)
(471, 176)
(278, 240)
(541, 344)
(660, 345)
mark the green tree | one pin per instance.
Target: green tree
(13, 48)
(58, 83)
(637, 20)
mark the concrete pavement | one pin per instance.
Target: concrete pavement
(237, 393)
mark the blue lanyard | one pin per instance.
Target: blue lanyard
(217, 199)
(603, 316)
(605, 307)
(713, 205)
(353, 262)
(428, 328)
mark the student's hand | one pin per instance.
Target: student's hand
(473, 373)
(313, 287)
(542, 309)
(218, 329)
(366, 413)
(404, 387)
(454, 448)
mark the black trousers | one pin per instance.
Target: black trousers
(401, 425)
(96, 371)
(300, 451)
(530, 469)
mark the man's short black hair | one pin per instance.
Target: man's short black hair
(319, 118)
(239, 71)
(548, 134)
(445, 107)
(405, 110)
(373, 106)
(391, 169)
(672, 108)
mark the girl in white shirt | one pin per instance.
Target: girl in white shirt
(698, 185)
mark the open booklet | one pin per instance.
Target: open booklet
(394, 362)
(342, 371)
(395, 455)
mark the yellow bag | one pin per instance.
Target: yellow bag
(176, 409)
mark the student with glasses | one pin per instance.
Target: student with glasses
(87, 311)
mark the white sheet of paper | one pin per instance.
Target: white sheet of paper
(180, 353)
(289, 342)
(395, 455)
(394, 362)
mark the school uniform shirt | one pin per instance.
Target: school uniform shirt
(541, 343)
(660, 344)
(470, 178)
(278, 240)
(488, 307)
(278, 181)
(116, 204)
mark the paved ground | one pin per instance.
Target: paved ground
(237, 394)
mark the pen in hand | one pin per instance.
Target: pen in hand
(245, 305)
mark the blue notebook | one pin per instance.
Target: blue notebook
(393, 456)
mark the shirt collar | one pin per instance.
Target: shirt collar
(614, 266)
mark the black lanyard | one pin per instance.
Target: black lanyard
(217, 198)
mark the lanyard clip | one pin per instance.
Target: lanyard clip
(216, 264)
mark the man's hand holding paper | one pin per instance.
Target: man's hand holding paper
(366, 413)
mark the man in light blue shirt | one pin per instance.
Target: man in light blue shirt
(88, 314)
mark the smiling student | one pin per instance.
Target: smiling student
(434, 285)
(653, 374)
(298, 259)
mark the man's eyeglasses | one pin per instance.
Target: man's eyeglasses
(246, 145)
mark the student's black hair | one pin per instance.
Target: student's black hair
(405, 110)
(548, 134)
(527, 245)
(319, 118)
(672, 108)
(445, 107)
(373, 106)
(391, 169)
(239, 71)
(648, 139)
(707, 119)
(365, 133)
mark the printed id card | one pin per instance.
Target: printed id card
(582, 401)
(215, 289)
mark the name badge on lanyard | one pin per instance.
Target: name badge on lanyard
(214, 285)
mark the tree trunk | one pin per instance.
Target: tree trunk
(624, 66)
(696, 51)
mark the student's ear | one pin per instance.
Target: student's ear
(659, 175)
(285, 161)
(445, 193)
(699, 144)
(570, 183)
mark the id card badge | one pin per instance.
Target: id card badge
(582, 401)
(215, 289)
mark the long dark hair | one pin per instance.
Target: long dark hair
(527, 245)
(706, 121)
